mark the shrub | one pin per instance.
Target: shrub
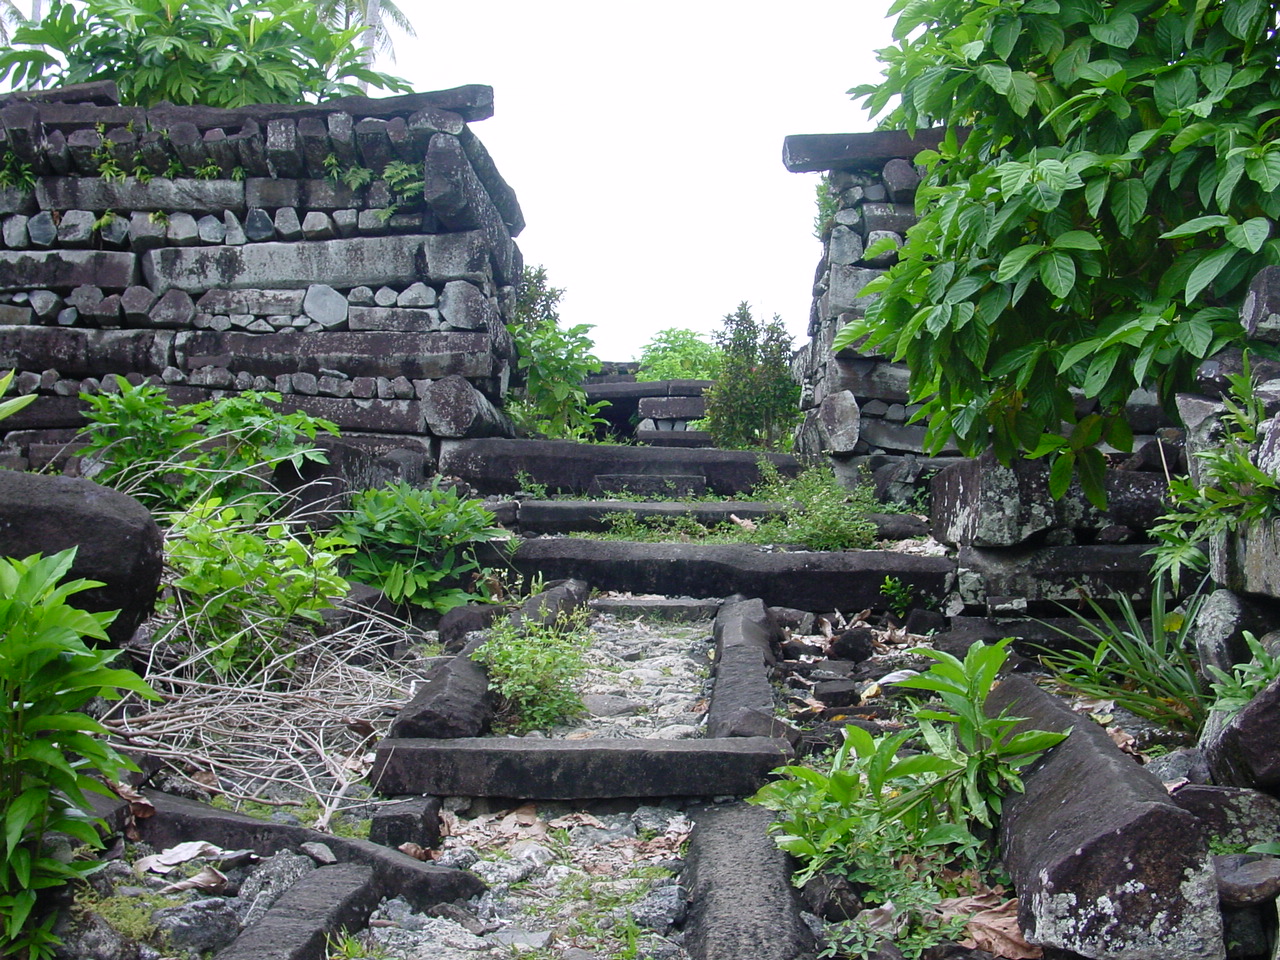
(416, 545)
(754, 401)
(534, 668)
(169, 457)
(49, 756)
(678, 353)
(1097, 227)
(554, 363)
(243, 586)
(209, 52)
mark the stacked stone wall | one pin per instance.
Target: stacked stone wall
(855, 401)
(215, 251)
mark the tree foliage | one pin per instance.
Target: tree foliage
(677, 353)
(755, 400)
(1098, 225)
(219, 53)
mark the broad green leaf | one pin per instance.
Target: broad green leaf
(997, 76)
(1077, 240)
(1196, 225)
(1022, 92)
(1091, 467)
(1250, 235)
(1195, 335)
(1058, 272)
(1207, 270)
(1015, 260)
(1099, 372)
(1176, 90)
(1189, 135)
(1060, 474)
(1120, 31)
(1128, 203)
(1244, 18)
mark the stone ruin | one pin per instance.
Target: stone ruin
(236, 258)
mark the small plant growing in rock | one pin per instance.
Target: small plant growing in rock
(1233, 690)
(534, 668)
(417, 544)
(900, 596)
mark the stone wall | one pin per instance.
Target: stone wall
(232, 256)
(855, 401)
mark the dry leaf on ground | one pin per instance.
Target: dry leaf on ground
(992, 926)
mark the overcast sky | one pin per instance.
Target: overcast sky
(644, 141)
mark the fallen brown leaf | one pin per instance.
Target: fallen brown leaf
(992, 926)
(139, 806)
(744, 524)
(208, 880)
(415, 851)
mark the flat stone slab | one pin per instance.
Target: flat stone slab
(676, 609)
(65, 269)
(742, 903)
(744, 634)
(849, 580)
(530, 768)
(1054, 574)
(298, 925)
(492, 465)
(159, 193)
(396, 874)
(358, 261)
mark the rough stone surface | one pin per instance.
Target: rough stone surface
(1247, 560)
(744, 633)
(492, 464)
(742, 903)
(395, 874)
(410, 820)
(576, 769)
(454, 702)
(298, 925)
(1220, 625)
(66, 269)
(809, 581)
(98, 194)
(455, 409)
(1244, 752)
(339, 263)
(1053, 573)
(1260, 313)
(325, 305)
(117, 541)
(1235, 816)
(1078, 845)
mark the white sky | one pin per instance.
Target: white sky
(644, 141)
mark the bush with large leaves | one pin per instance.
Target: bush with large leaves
(1098, 225)
(219, 53)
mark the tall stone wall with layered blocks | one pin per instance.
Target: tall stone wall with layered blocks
(856, 404)
(215, 250)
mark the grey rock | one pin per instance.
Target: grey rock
(287, 225)
(465, 307)
(182, 230)
(146, 233)
(46, 303)
(85, 297)
(360, 297)
(385, 297)
(76, 228)
(268, 883)
(886, 258)
(235, 235)
(345, 222)
(845, 246)
(319, 852)
(401, 319)
(41, 230)
(1245, 879)
(115, 232)
(14, 231)
(174, 309)
(606, 705)
(160, 193)
(660, 909)
(211, 229)
(417, 294)
(317, 225)
(258, 226)
(325, 305)
(202, 925)
(305, 383)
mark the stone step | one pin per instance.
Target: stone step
(820, 582)
(492, 465)
(528, 768)
(682, 439)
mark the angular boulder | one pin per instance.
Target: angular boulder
(117, 541)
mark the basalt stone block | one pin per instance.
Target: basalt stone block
(492, 465)
(816, 152)
(984, 503)
(287, 224)
(455, 256)
(1053, 574)
(408, 820)
(42, 231)
(673, 408)
(145, 233)
(839, 422)
(14, 200)
(182, 231)
(352, 262)
(258, 226)
(1235, 816)
(117, 541)
(416, 356)
(454, 408)
(805, 580)
(464, 306)
(844, 247)
(1244, 752)
(1078, 844)
(901, 180)
(211, 229)
(844, 295)
(452, 190)
(14, 231)
(78, 352)
(744, 634)
(889, 217)
(97, 194)
(1260, 314)
(318, 226)
(454, 702)
(401, 319)
(66, 269)
(175, 309)
(325, 305)
(742, 902)
(371, 416)
(1220, 625)
(14, 316)
(76, 228)
(576, 769)
(1247, 559)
